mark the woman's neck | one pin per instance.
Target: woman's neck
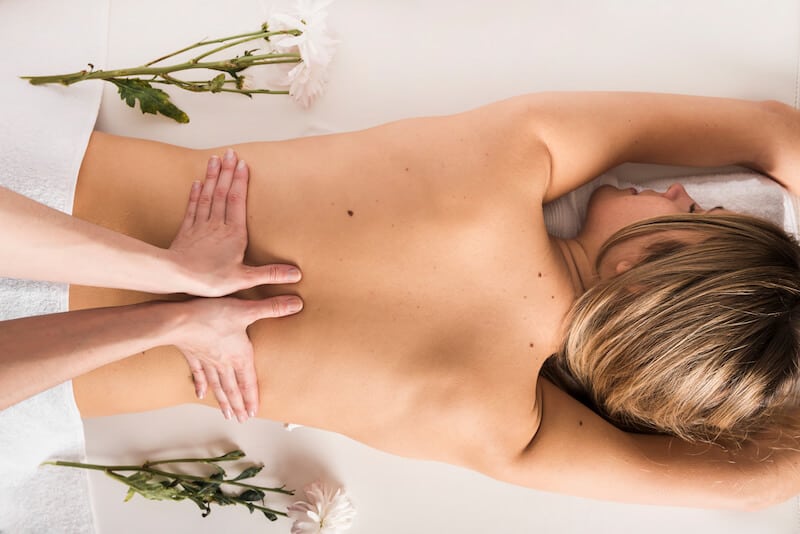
(579, 263)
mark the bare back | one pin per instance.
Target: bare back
(432, 293)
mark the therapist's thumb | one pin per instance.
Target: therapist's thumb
(272, 274)
(275, 307)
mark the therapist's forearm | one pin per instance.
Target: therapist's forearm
(37, 353)
(40, 243)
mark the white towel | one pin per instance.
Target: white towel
(740, 191)
(43, 139)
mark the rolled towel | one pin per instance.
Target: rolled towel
(740, 191)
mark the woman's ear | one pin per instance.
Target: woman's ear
(622, 267)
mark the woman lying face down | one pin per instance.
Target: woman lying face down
(433, 294)
(691, 330)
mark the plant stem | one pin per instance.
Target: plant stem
(203, 43)
(205, 87)
(189, 460)
(253, 91)
(265, 509)
(265, 35)
(115, 468)
(225, 66)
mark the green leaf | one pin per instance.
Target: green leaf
(151, 99)
(204, 506)
(250, 472)
(228, 456)
(218, 468)
(190, 486)
(252, 495)
(217, 83)
(142, 483)
(208, 490)
(270, 515)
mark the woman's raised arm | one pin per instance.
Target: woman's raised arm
(588, 133)
(578, 453)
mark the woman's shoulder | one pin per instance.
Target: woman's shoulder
(498, 431)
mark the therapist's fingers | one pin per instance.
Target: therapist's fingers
(207, 193)
(191, 208)
(227, 377)
(199, 377)
(223, 186)
(216, 386)
(236, 213)
(248, 385)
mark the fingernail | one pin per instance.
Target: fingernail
(201, 394)
(293, 274)
(241, 418)
(241, 165)
(229, 154)
(251, 413)
(227, 413)
(213, 163)
(196, 184)
(294, 305)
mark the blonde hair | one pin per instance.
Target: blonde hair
(699, 340)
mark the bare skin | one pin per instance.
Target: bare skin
(432, 291)
(391, 272)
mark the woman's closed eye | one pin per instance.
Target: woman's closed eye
(693, 207)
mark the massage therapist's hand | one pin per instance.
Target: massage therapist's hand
(211, 242)
(213, 338)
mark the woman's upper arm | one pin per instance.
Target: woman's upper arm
(576, 452)
(588, 133)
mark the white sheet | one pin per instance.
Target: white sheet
(43, 138)
(417, 57)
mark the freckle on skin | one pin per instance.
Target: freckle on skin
(580, 423)
(350, 213)
(540, 275)
(553, 297)
(406, 169)
(530, 345)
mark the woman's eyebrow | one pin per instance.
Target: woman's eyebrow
(715, 208)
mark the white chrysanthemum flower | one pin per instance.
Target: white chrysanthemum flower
(307, 80)
(306, 83)
(326, 511)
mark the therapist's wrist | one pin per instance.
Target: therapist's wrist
(161, 272)
(179, 278)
